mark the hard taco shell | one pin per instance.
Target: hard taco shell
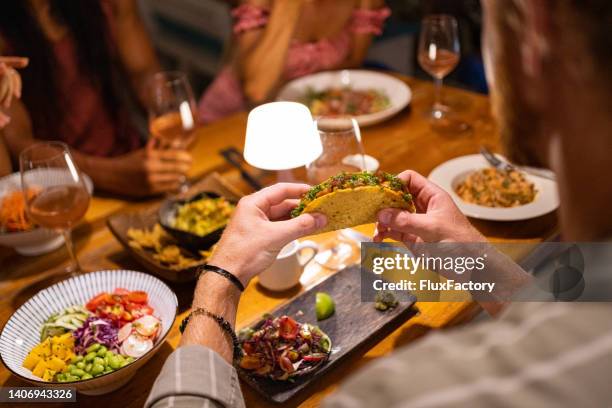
(355, 206)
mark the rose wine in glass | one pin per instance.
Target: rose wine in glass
(172, 112)
(438, 55)
(61, 198)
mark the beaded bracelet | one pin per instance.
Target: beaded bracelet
(227, 275)
(224, 324)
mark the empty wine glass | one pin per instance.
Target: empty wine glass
(58, 196)
(342, 151)
(172, 112)
(438, 55)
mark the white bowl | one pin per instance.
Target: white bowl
(450, 173)
(39, 240)
(22, 332)
(398, 92)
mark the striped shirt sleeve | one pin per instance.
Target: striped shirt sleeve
(195, 376)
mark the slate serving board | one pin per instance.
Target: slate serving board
(352, 325)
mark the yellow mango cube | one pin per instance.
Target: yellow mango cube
(66, 339)
(48, 375)
(31, 360)
(55, 364)
(40, 368)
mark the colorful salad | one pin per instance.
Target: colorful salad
(282, 348)
(82, 342)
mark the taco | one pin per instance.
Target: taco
(350, 199)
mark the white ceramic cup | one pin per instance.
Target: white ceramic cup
(285, 272)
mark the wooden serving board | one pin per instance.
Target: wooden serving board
(120, 223)
(353, 326)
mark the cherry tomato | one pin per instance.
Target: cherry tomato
(121, 291)
(248, 348)
(146, 310)
(313, 358)
(98, 300)
(288, 328)
(138, 296)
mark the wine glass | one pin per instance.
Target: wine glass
(172, 112)
(438, 55)
(342, 151)
(60, 197)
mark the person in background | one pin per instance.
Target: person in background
(85, 86)
(276, 41)
(10, 87)
(548, 63)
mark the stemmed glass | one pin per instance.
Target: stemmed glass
(172, 112)
(60, 198)
(438, 55)
(342, 151)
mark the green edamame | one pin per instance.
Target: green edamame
(97, 369)
(77, 372)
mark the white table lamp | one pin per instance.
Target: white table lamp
(281, 136)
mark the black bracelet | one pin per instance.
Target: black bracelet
(224, 324)
(227, 275)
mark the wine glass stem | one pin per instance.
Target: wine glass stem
(75, 268)
(438, 94)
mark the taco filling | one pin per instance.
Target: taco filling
(347, 181)
(281, 348)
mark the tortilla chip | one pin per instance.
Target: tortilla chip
(350, 207)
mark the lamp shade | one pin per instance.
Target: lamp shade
(281, 136)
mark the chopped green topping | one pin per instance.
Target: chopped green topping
(351, 180)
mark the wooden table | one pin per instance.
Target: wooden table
(404, 142)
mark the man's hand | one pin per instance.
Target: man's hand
(10, 84)
(261, 227)
(437, 219)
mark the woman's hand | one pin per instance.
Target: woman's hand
(437, 219)
(261, 227)
(166, 169)
(10, 84)
(143, 172)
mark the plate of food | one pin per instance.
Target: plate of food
(92, 332)
(484, 192)
(371, 97)
(156, 249)
(16, 229)
(299, 342)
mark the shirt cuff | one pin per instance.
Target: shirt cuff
(195, 372)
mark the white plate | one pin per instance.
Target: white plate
(398, 92)
(22, 332)
(450, 173)
(39, 240)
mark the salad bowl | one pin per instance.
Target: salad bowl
(39, 240)
(22, 332)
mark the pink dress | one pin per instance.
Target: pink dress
(225, 95)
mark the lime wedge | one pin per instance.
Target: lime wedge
(324, 306)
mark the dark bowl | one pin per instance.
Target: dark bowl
(194, 242)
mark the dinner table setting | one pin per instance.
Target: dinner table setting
(94, 287)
